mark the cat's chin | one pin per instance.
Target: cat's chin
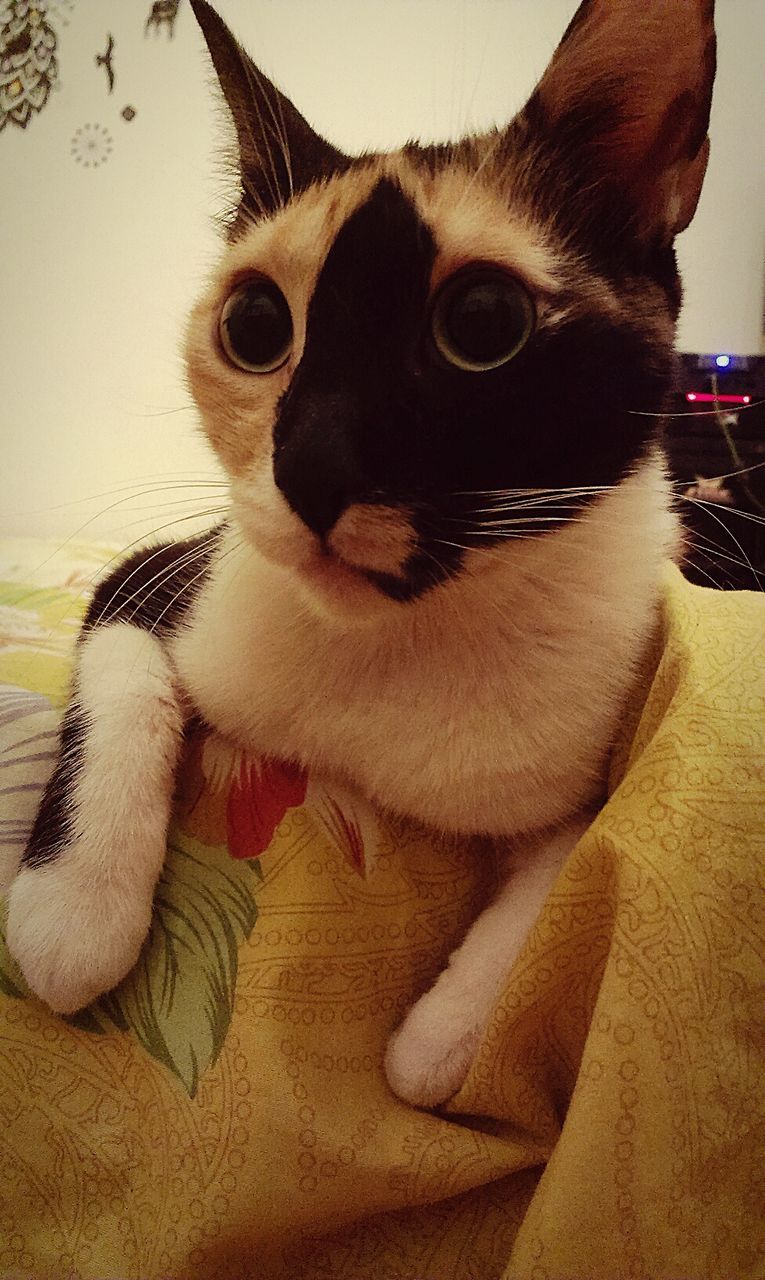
(334, 587)
(329, 577)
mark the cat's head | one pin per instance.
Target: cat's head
(405, 359)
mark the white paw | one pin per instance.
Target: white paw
(429, 1056)
(74, 939)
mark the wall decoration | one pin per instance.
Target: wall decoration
(61, 9)
(92, 145)
(28, 64)
(163, 13)
(105, 60)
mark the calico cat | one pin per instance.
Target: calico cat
(435, 379)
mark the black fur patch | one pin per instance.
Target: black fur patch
(567, 184)
(339, 427)
(52, 829)
(154, 588)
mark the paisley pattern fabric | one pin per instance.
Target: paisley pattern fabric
(225, 1114)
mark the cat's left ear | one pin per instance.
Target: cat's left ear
(625, 102)
(280, 154)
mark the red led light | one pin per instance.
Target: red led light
(706, 397)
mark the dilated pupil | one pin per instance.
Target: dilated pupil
(258, 324)
(486, 320)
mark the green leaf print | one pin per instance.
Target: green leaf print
(179, 997)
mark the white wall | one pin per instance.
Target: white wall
(99, 265)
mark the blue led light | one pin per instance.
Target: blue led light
(722, 362)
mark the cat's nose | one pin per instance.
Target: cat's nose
(319, 497)
(316, 466)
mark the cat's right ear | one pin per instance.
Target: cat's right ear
(280, 154)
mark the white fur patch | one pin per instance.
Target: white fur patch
(428, 1058)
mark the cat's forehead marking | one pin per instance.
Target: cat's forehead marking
(291, 246)
(472, 221)
(373, 284)
(480, 215)
(468, 219)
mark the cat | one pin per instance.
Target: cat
(435, 379)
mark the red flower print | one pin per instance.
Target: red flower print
(348, 820)
(346, 834)
(260, 795)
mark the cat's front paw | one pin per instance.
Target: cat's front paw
(74, 939)
(429, 1056)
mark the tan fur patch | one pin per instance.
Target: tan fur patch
(238, 408)
(472, 223)
(373, 537)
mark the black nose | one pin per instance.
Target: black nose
(316, 466)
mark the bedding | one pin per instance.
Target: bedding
(224, 1113)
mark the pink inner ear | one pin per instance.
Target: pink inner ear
(690, 178)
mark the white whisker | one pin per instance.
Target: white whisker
(164, 573)
(710, 511)
(714, 551)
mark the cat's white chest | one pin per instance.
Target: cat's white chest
(420, 724)
(282, 680)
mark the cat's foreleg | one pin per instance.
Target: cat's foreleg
(428, 1057)
(80, 906)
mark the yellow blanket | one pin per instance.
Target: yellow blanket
(226, 1115)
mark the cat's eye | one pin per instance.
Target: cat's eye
(481, 318)
(256, 326)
